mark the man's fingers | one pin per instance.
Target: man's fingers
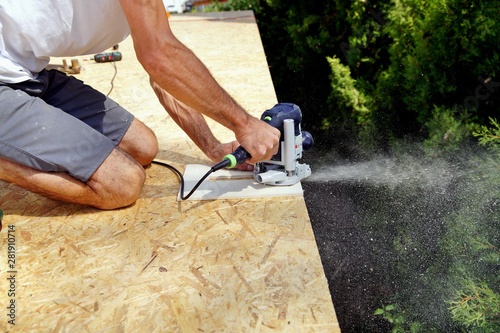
(260, 139)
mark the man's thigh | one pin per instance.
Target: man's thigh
(46, 137)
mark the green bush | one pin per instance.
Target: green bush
(438, 51)
(217, 6)
(446, 130)
(489, 136)
(348, 100)
(398, 321)
(410, 59)
(477, 307)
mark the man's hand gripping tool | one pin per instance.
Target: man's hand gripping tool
(283, 168)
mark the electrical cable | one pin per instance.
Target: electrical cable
(238, 156)
(113, 78)
(224, 163)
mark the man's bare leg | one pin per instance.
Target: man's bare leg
(116, 183)
(140, 143)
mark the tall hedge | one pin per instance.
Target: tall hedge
(418, 64)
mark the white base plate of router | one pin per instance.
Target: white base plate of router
(231, 184)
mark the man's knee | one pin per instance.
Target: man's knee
(131, 188)
(149, 148)
(140, 142)
(117, 182)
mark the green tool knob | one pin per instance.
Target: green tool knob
(238, 156)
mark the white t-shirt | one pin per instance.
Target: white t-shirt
(31, 31)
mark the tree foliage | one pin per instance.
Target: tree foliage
(489, 136)
(412, 59)
(477, 306)
(441, 54)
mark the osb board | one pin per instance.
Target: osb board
(247, 265)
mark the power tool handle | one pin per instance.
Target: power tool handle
(241, 155)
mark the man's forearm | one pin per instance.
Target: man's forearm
(190, 121)
(195, 87)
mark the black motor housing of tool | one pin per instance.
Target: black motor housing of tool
(108, 57)
(281, 112)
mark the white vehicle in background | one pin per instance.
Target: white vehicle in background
(177, 6)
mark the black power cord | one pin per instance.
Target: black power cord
(224, 163)
(238, 156)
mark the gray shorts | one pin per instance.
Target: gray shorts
(57, 123)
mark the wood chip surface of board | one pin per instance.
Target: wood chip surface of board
(239, 265)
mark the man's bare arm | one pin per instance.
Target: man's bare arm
(195, 126)
(178, 71)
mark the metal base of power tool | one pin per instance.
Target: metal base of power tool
(283, 169)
